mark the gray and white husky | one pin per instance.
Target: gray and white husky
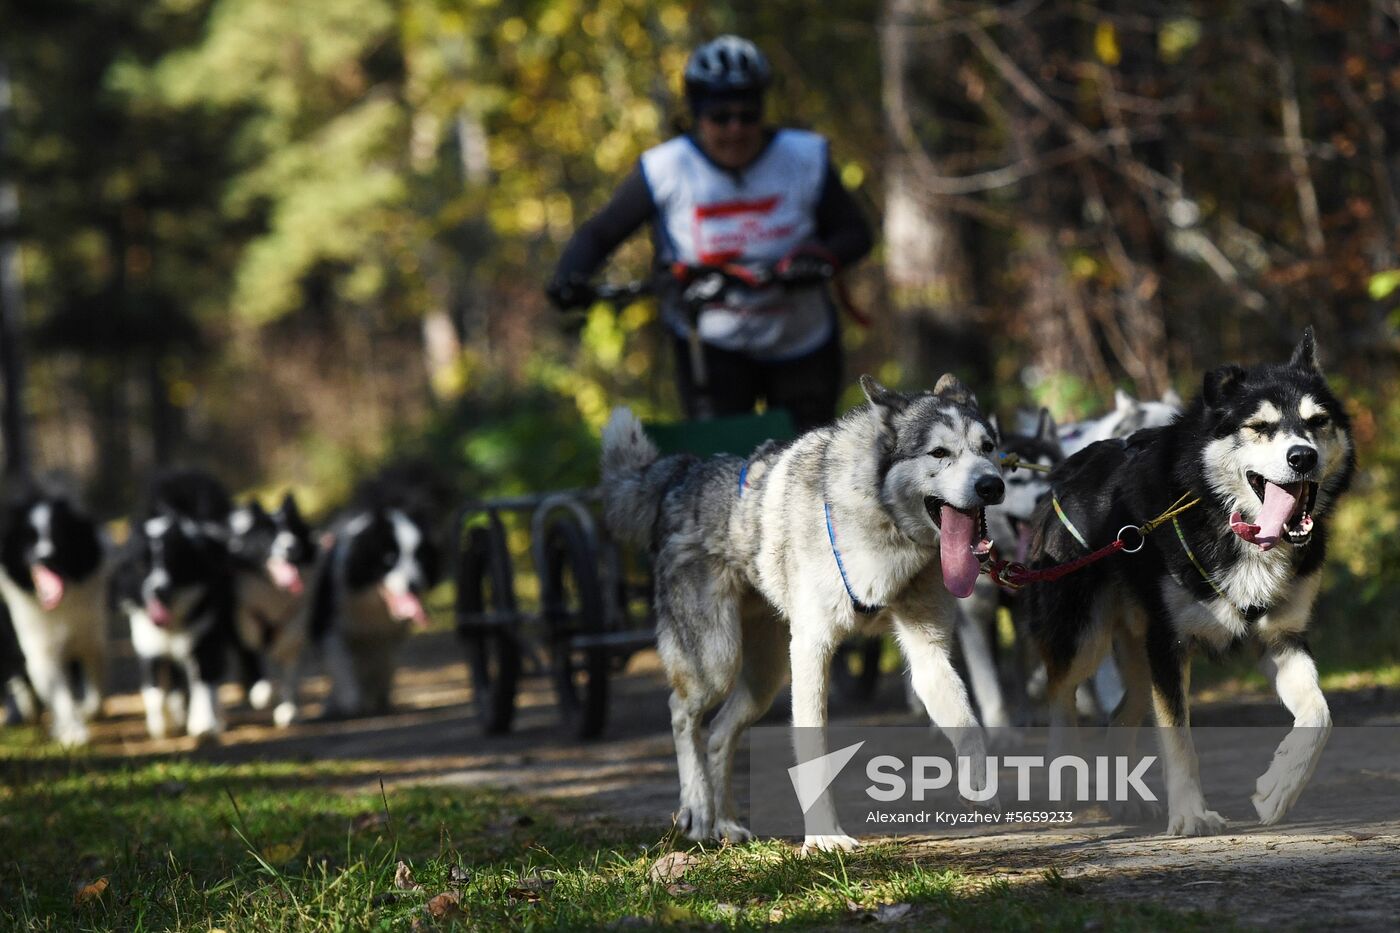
(766, 565)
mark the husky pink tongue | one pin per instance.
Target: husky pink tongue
(158, 611)
(286, 575)
(48, 586)
(960, 565)
(1279, 503)
(405, 607)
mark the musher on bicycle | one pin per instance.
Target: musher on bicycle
(732, 192)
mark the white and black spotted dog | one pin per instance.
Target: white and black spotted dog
(274, 555)
(53, 578)
(1267, 451)
(873, 522)
(175, 586)
(382, 560)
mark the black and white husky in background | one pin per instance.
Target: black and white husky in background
(873, 521)
(274, 555)
(52, 575)
(1009, 527)
(1268, 451)
(382, 560)
(175, 585)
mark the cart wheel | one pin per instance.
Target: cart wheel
(855, 671)
(572, 600)
(484, 584)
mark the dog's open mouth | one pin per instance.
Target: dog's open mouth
(963, 544)
(48, 586)
(1285, 512)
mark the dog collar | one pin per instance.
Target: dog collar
(1251, 614)
(862, 608)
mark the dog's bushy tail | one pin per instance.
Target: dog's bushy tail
(630, 496)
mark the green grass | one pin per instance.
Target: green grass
(185, 845)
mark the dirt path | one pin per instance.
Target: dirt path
(1325, 868)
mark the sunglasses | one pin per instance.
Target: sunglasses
(745, 117)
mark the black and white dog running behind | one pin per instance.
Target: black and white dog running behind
(274, 555)
(874, 521)
(175, 586)
(381, 562)
(1267, 451)
(53, 577)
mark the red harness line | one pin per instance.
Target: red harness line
(1013, 576)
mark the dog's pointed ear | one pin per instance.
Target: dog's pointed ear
(1122, 401)
(290, 508)
(995, 425)
(951, 387)
(1045, 430)
(1305, 354)
(1170, 397)
(886, 401)
(1220, 384)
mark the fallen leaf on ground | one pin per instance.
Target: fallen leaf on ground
(680, 889)
(457, 875)
(403, 878)
(671, 866)
(90, 892)
(445, 906)
(1361, 837)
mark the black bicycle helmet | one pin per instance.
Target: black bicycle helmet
(727, 65)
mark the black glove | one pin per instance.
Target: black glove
(804, 268)
(570, 293)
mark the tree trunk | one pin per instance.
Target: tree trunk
(931, 284)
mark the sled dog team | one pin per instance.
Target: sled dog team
(202, 583)
(886, 518)
(762, 566)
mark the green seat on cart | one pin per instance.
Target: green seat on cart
(732, 434)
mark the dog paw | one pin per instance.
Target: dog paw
(733, 832)
(1135, 812)
(71, 735)
(829, 843)
(1196, 822)
(260, 695)
(694, 824)
(284, 715)
(1275, 793)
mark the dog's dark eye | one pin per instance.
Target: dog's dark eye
(988, 447)
(1318, 422)
(942, 453)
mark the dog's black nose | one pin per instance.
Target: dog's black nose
(990, 489)
(1302, 458)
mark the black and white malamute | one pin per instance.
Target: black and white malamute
(1267, 451)
(52, 560)
(175, 586)
(274, 555)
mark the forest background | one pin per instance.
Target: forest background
(292, 240)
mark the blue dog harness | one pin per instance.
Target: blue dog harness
(862, 608)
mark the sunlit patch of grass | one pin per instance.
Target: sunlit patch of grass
(184, 845)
